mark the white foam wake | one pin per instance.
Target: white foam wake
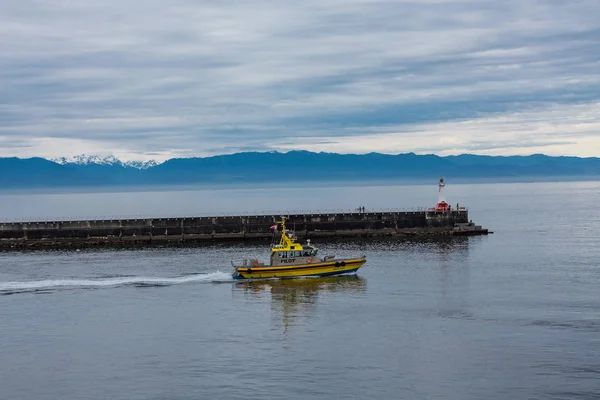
(217, 276)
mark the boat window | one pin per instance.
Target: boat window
(283, 254)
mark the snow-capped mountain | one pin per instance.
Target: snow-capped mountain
(84, 159)
(140, 164)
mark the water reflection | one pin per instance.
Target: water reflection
(296, 299)
(446, 262)
(454, 279)
(453, 249)
(445, 247)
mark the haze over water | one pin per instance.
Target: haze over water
(514, 315)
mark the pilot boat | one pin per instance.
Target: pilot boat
(290, 259)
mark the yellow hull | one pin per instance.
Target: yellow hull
(328, 268)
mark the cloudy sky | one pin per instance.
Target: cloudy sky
(149, 79)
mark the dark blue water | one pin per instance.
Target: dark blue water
(514, 315)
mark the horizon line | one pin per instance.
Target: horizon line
(102, 157)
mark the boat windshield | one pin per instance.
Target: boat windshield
(297, 253)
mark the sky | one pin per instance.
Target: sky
(149, 79)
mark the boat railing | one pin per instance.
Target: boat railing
(248, 262)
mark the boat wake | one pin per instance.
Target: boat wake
(136, 281)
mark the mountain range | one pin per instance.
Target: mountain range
(294, 166)
(84, 159)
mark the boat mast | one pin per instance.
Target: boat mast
(285, 240)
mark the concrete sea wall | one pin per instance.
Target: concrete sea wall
(179, 231)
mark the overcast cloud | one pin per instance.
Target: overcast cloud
(145, 79)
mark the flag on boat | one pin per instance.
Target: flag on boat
(274, 227)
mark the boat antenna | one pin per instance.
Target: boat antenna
(283, 223)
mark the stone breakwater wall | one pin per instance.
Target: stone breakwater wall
(220, 229)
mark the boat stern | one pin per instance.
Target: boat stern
(236, 275)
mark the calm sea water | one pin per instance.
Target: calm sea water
(514, 315)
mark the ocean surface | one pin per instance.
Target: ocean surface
(513, 315)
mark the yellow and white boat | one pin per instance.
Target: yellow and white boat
(290, 259)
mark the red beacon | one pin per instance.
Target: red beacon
(442, 205)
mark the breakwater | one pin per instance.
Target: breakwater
(219, 229)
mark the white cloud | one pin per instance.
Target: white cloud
(188, 78)
(552, 130)
(53, 148)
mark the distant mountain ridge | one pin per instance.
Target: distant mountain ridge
(84, 159)
(294, 166)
